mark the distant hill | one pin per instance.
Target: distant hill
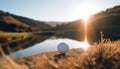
(14, 23)
(107, 21)
(68, 26)
(74, 29)
(54, 23)
(38, 25)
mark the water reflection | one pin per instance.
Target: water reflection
(49, 45)
(23, 43)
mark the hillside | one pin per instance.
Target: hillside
(73, 30)
(9, 24)
(13, 23)
(107, 21)
(38, 25)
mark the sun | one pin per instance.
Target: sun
(85, 10)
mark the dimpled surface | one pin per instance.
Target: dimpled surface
(62, 47)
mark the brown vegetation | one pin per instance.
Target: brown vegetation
(14, 23)
(105, 55)
(9, 37)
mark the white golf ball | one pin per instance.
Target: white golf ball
(62, 47)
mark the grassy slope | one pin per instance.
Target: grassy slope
(99, 56)
(38, 25)
(10, 36)
(8, 23)
(14, 23)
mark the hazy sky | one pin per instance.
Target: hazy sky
(56, 10)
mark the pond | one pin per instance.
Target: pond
(48, 45)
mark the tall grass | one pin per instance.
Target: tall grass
(8, 63)
(104, 55)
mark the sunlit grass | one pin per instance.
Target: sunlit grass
(10, 36)
(13, 34)
(104, 55)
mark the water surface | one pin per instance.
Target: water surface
(47, 46)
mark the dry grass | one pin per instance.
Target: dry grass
(13, 34)
(9, 19)
(10, 37)
(105, 55)
(101, 56)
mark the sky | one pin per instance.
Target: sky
(56, 10)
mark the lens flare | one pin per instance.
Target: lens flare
(86, 44)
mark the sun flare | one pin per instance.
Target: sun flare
(85, 10)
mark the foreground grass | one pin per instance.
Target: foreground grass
(99, 56)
